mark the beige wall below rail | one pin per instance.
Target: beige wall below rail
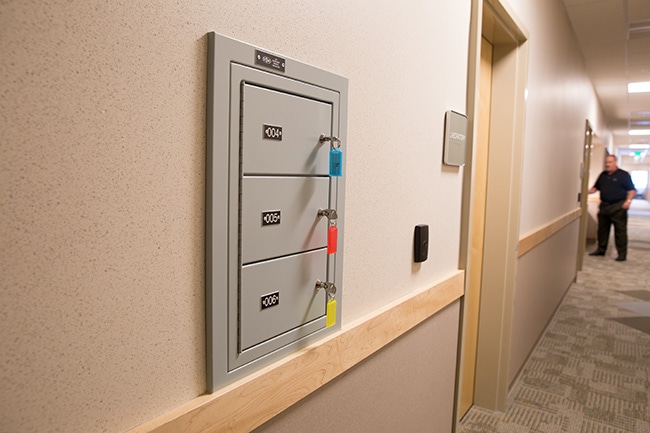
(544, 275)
(401, 388)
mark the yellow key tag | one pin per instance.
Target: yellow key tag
(331, 313)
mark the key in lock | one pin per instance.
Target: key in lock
(329, 288)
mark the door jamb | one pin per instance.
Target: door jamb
(495, 21)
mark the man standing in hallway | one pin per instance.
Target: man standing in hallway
(616, 194)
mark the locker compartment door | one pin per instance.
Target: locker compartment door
(280, 216)
(281, 133)
(288, 287)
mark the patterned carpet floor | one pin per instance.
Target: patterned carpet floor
(590, 372)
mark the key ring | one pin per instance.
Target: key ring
(335, 141)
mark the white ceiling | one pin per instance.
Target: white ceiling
(615, 39)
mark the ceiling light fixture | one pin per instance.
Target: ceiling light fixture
(641, 87)
(639, 146)
(639, 132)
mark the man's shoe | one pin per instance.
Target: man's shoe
(620, 259)
(597, 253)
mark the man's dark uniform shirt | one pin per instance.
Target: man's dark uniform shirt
(614, 187)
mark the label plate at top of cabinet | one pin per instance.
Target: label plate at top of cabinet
(281, 133)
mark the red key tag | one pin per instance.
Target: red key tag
(332, 239)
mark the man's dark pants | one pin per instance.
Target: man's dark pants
(613, 213)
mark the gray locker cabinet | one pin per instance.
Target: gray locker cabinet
(293, 147)
(294, 202)
(267, 178)
(292, 278)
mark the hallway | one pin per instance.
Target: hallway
(590, 372)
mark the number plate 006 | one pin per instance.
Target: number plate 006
(270, 300)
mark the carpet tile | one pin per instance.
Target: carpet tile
(590, 371)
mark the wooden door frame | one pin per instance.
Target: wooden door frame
(471, 301)
(584, 194)
(500, 26)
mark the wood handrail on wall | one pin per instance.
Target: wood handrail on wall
(252, 401)
(531, 240)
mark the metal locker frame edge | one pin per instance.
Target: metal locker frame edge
(222, 53)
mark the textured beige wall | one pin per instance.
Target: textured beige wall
(560, 99)
(102, 192)
(102, 184)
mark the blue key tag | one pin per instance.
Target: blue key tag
(336, 154)
(336, 160)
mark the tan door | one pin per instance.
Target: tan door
(477, 224)
(584, 191)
